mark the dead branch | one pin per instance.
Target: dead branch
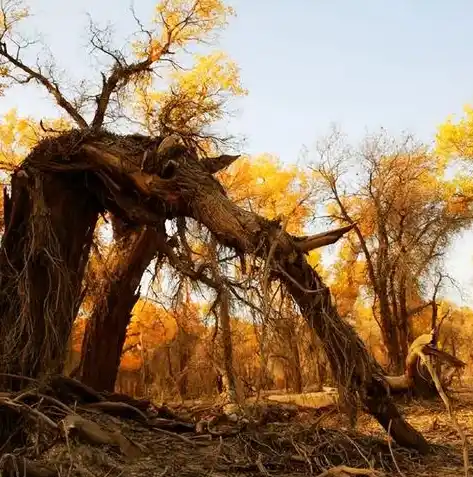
(91, 432)
(344, 471)
(449, 408)
(216, 164)
(68, 388)
(171, 425)
(24, 408)
(306, 244)
(119, 409)
(51, 86)
(120, 75)
(44, 397)
(421, 346)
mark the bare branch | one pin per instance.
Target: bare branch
(35, 74)
(305, 244)
(216, 164)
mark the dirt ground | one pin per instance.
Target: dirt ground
(268, 439)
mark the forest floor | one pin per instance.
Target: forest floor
(272, 439)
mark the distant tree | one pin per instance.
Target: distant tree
(395, 195)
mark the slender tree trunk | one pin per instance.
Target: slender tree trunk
(45, 247)
(295, 364)
(228, 372)
(184, 359)
(433, 322)
(403, 320)
(105, 333)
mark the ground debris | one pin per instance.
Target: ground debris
(57, 433)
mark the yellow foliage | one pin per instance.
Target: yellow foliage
(348, 275)
(12, 13)
(195, 97)
(152, 326)
(19, 135)
(455, 138)
(266, 187)
(314, 258)
(181, 22)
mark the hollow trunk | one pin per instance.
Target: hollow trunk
(48, 234)
(105, 332)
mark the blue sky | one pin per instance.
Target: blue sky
(403, 65)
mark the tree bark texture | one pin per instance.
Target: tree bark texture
(48, 233)
(105, 332)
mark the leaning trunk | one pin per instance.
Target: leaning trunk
(352, 366)
(49, 225)
(105, 333)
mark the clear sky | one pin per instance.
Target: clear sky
(403, 65)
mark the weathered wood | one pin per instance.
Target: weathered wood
(114, 300)
(43, 254)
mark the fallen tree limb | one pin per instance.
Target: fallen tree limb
(419, 349)
(69, 389)
(451, 414)
(92, 433)
(28, 411)
(119, 409)
(344, 471)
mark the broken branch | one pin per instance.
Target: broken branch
(306, 244)
(216, 164)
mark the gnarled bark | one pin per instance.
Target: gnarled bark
(48, 234)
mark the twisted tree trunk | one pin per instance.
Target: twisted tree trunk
(114, 300)
(180, 185)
